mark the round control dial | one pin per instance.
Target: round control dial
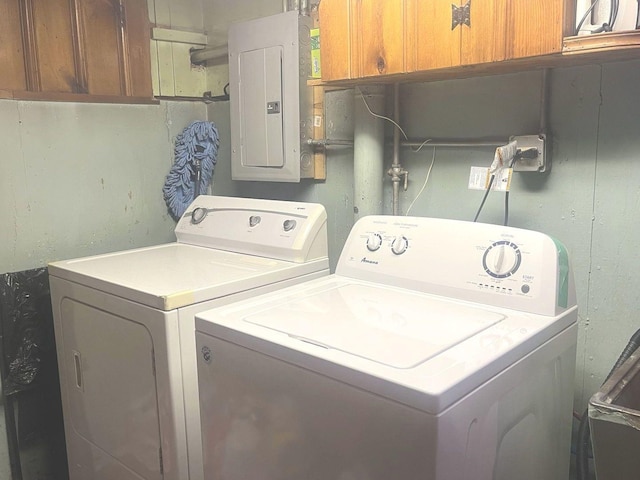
(502, 259)
(399, 245)
(198, 215)
(374, 242)
(289, 225)
(254, 220)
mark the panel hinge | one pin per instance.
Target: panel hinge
(461, 15)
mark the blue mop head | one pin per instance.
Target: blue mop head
(196, 152)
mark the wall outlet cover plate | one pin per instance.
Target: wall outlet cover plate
(538, 164)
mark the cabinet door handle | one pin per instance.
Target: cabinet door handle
(77, 362)
(461, 15)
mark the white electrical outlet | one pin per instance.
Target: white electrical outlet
(538, 164)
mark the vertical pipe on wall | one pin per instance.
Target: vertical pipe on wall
(544, 101)
(368, 155)
(304, 8)
(395, 165)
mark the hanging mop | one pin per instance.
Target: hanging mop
(196, 152)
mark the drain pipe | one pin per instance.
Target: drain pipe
(396, 172)
(368, 155)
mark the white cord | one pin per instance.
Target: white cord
(422, 145)
(381, 116)
(426, 180)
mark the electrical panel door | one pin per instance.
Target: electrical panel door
(271, 104)
(261, 101)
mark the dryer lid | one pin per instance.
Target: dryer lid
(395, 328)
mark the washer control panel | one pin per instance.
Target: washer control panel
(478, 262)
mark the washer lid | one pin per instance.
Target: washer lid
(419, 349)
(399, 329)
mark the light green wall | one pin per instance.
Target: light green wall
(82, 179)
(589, 200)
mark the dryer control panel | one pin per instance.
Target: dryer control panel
(290, 231)
(489, 264)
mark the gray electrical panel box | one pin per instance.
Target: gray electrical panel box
(271, 104)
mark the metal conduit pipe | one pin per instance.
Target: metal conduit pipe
(396, 172)
(208, 54)
(445, 143)
(544, 101)
(368, 155)
(453, 143)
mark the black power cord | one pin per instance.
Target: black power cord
(486, 194)
(529, 153)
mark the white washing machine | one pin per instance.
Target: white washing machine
(439, 350)
(124, 326)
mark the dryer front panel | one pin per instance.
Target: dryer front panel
(112, 394)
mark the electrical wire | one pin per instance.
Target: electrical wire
(506, 197)
(613, 13)
(425, 142)
(506, 208)
(426, 180)
(484, 199)
(377, 115)
(586, 14)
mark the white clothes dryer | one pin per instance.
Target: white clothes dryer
(439, 350)
(124, 326)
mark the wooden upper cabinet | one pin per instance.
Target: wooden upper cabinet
(377, 37)
(335, 39)
(50, 46)
(431, 42)
(361, 38)
(12, 70)
(102, 50)
(58, 49)
(367, 38)
(539, 27)
(485, 38)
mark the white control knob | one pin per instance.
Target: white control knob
(502, 259)
(289, 225)
(399, 245)
(374, 242)
(254, 220)
(198, 215)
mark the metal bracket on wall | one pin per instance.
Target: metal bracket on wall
(461, 15)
